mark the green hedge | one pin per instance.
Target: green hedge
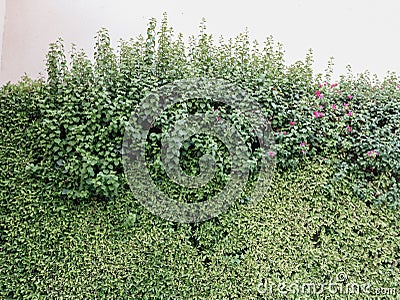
(308, 228)
(70, 228)
(83, 106)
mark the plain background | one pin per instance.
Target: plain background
(363, 34)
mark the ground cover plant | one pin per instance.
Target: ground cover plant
(70, 228)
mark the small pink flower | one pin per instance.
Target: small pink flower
(350, 97)
(318, 94)
(292, 123)
(284, 133)
(373, 153)
(303, 151)
(350, 113)
(326, 84)
(334, 85)
(349, 129)
(398, 86)
(334, 106)
(302, 144)
(319, 85)
(271, 154)
(318, 114)
(321, 107)
(345, 104)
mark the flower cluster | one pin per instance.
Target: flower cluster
(318, 94)
(303, 145)
(318, 114)
(372, 153)
(325, 106)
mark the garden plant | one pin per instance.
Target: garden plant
(70, 227)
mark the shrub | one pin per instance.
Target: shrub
(84, 106)
(308, 228)
(64, 135)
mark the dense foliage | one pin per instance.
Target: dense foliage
(86, 105)
(337, 153)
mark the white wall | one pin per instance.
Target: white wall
(2, 19)
(362, 33)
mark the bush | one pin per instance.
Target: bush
(308, 228)
(88, 104)
(64, 135)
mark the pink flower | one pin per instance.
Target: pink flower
(303, 151)
(302, 144)
(321, 107)
(319, 85)
(398, 86)
(284, 133)
(292, 123)
(334, 85)
(373, 153)
(318, 114)
(271, 154)
(326, 84)
(350, 97)
(350, 113)
(318, 94)
(349, 129)
(345, 104)
(334, 106)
